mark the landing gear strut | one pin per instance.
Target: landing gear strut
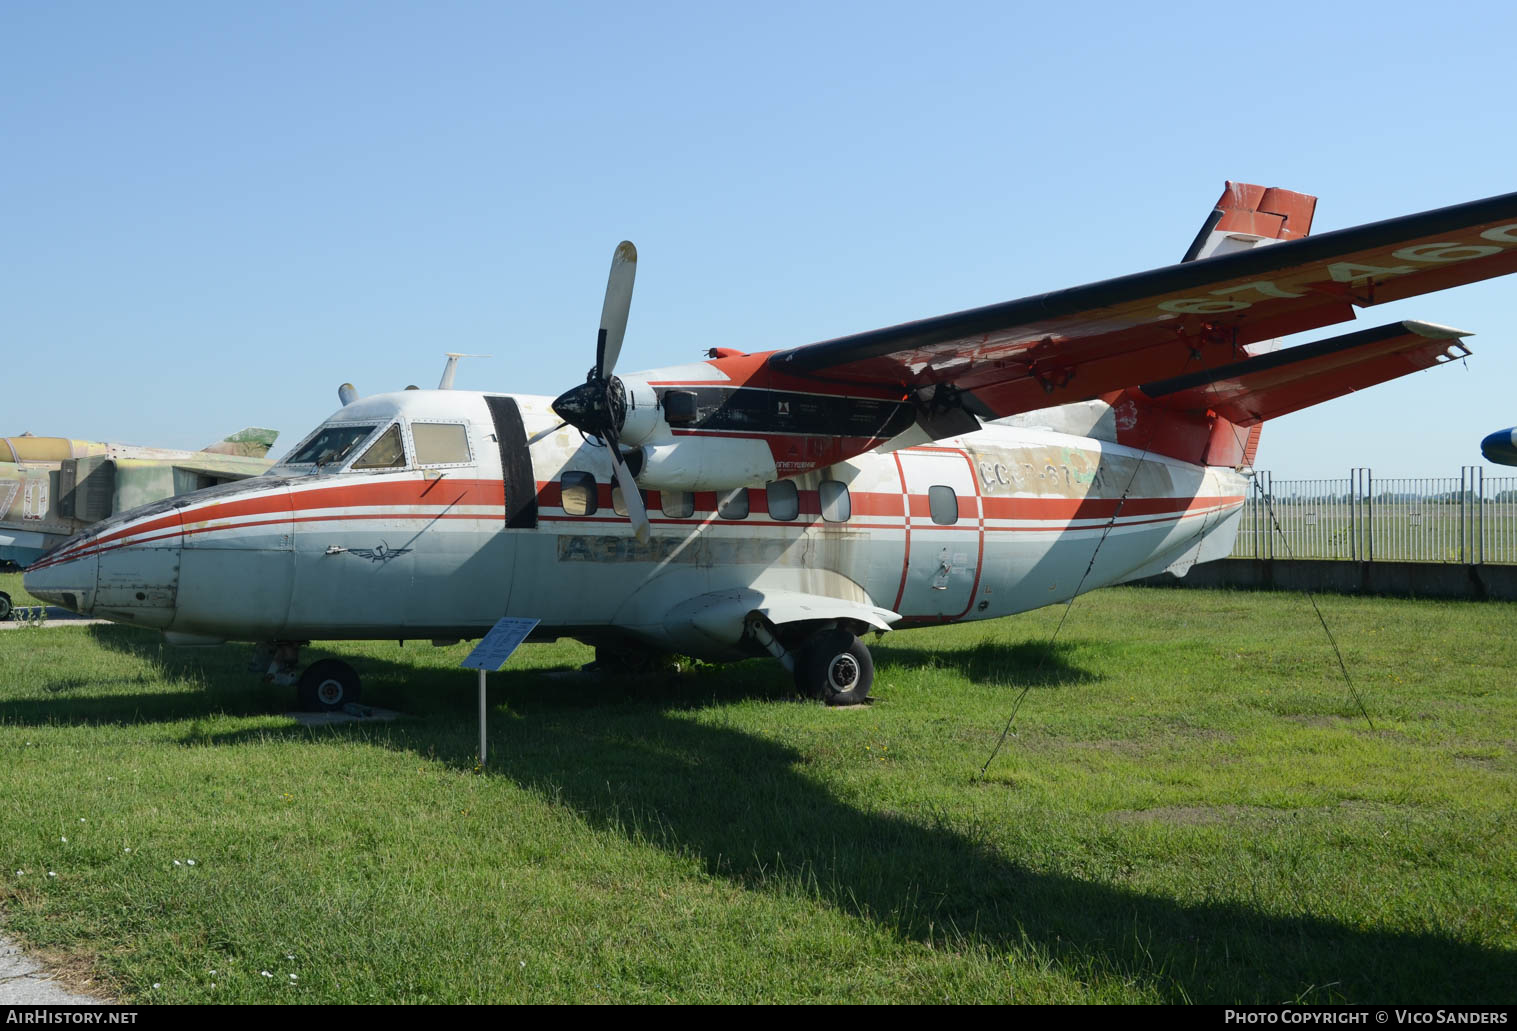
(835, 667)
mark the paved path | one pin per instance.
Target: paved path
(56, 616)
(23, 982)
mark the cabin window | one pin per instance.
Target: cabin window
(944, 504)
(388, 452)
(331, 444)
(440, 443)
(619, 501)
(578, 492)
(733, 505)
(784, 501)
(677, 504)
(837, 506)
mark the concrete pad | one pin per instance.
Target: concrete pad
(23, 982)
(350, 713)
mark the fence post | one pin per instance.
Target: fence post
(1369, 493)
(1358, 526)
(1464, 515)
(1480, 509)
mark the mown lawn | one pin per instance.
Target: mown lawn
(1192, 808)
(10, 583)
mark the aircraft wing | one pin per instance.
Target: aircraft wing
(1271, 385)
(1077, 344)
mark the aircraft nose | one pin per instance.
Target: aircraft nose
(125, 569)
(1501, 447)
(66, 582)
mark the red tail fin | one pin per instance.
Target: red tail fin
(1247, 216)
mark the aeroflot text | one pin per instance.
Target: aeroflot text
(1339, 1017)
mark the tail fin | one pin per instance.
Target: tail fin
(253, 442)
(1247, 216)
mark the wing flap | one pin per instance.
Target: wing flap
(1080, 343)
(1247, 393)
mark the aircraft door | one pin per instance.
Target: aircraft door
(945, 531)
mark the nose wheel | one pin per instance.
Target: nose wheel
(327, 686)
(835, 667)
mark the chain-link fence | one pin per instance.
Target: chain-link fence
(1469, 518)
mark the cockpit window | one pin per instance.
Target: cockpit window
(331, 445)
(385, 453)
(440, 443)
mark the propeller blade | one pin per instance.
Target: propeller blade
(546, 433)
(631, 496)
(613, 314)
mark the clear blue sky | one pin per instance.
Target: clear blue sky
(216, 213)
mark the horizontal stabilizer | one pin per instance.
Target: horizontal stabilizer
(1268, 386)
(253, 442)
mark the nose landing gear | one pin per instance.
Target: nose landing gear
(325, 686)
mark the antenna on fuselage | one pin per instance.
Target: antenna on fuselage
(347, 394)
(446, 383)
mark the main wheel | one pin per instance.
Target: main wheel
(5, 605)
(327, 686)
(836, 667)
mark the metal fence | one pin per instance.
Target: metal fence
(1469, 518)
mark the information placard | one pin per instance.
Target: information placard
(496, 647)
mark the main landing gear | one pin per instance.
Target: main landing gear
(829, 663)
(835, 667)
(325, 686)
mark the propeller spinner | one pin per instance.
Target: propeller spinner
(598, 406)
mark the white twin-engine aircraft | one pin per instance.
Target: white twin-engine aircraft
(962, 467)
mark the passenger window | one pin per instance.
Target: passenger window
(677, 504)
(945, 505)
(734, 505)
(836, 504)
(385, 453)
(619, 502)
(784, 502)
(577, 491)
(440, 443)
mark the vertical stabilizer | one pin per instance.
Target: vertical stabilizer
(1249, 216)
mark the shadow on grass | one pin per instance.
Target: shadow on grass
(993, 662)
(630, 759)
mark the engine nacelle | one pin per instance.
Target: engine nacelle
(644, 422)
(707, 463)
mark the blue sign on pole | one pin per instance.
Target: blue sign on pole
(496, 647)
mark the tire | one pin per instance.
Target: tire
(835, 667)
(5, 605)
(327, 686)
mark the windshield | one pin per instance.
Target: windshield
(331, 445)
(385, 453)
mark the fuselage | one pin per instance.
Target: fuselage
(431, 514)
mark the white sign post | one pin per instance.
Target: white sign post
(491, 653)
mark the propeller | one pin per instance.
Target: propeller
(598, 406)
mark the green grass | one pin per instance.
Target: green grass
(10, 583)
(1191, 809)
